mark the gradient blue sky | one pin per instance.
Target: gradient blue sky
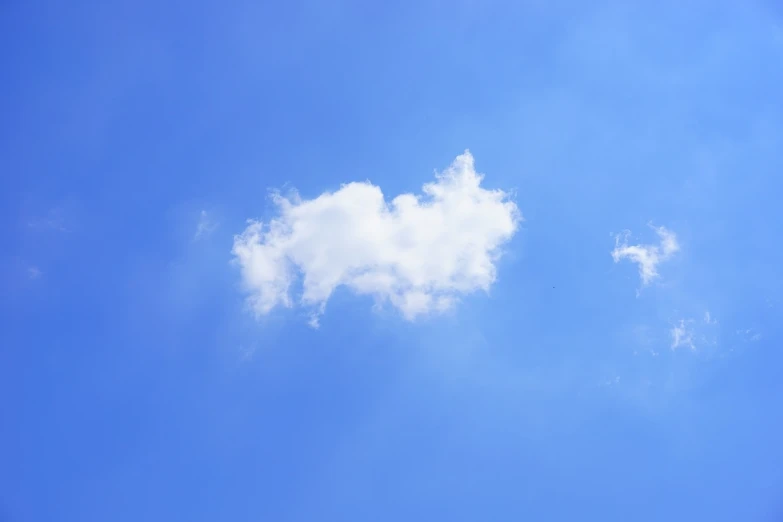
(137, 139)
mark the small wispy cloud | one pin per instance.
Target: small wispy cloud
(682, 335)
(708, 319)
(54, 220)
(246, 351)
(648, 257)
(749, 335)
(206, 225)
(33, 272)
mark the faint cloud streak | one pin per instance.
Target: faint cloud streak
(682, 335)
(206, 225)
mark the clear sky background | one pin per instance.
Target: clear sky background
(480, 355)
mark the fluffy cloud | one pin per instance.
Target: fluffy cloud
(419, 253)
(648, 257)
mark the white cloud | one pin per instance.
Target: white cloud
(682, 335)
(246, 352)
(33, 272)
(709, 319)
(419, 253)
(54, 220)
(205, 225)
(648, 257)
(749, 334)
(315, 320)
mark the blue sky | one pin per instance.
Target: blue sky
(482, 356)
